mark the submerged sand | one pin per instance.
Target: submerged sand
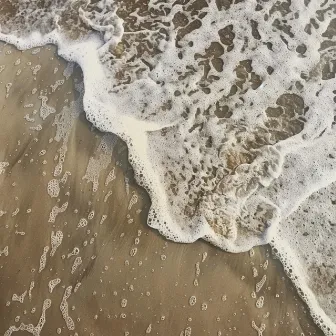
(76, 254)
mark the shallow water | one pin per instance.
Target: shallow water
(227, 109)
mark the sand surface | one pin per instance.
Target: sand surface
(76, 255)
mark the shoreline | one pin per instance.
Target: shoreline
(222, 283)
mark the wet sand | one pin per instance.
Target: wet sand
(76, 255)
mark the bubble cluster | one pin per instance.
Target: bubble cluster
(53, 283)
(53, 188)
(64, 309)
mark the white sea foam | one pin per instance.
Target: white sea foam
(228, 113)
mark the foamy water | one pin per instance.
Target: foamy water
(228, 112)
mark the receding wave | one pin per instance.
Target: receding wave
(228, 111)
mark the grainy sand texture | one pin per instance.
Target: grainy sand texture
(76, 254)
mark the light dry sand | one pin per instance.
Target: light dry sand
(115, 276)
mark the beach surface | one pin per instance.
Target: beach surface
(76, 254)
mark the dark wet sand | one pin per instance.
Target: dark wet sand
(129, 279)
